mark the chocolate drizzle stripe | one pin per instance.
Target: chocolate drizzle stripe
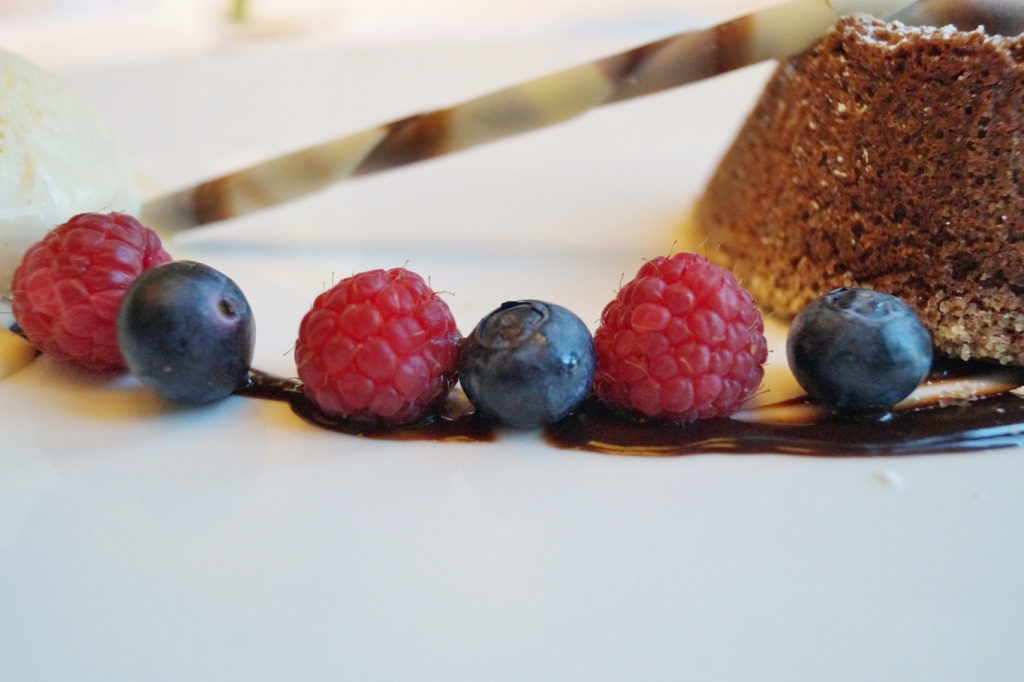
(528, 106)
(693, 55)
(210, 201)
(687, 58)
(409, 140)
(990, 423)
(455, 423)
(266, 184)
(732, 40)
(623, 68)
(794, 427)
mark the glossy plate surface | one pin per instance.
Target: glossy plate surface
(140, 541)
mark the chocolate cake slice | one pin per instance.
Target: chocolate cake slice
(885, 157)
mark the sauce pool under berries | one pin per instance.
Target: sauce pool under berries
(990, 422)
(994, 422)
(454, 422)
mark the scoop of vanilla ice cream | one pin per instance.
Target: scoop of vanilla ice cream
(56, 160)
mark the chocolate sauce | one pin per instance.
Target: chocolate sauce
(455, 422)
(961, 419)
(995, 422)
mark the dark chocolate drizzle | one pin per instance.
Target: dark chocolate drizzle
(996, 422)
(981, 424)
(455, 422)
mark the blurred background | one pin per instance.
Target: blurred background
(70, 35)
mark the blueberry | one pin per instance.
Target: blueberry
(854, 349)
(186, 331)
(527, 364)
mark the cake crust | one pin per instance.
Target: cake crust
(885, 157)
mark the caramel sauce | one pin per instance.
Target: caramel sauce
(962, 407)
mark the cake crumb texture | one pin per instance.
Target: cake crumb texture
(889, 158)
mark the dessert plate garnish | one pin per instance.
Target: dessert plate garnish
(682, 343)
(772, 33)
(959, 408)
(324, 550)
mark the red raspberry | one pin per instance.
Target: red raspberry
(378, 346)
(681, 342)
(68, 288)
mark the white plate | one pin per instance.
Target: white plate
(144, 542)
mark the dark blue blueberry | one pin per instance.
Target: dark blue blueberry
(854, 349)
(527, 364)
(187, 332)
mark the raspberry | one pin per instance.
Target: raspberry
(379, 346)
(69, 286)
(680, 342)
